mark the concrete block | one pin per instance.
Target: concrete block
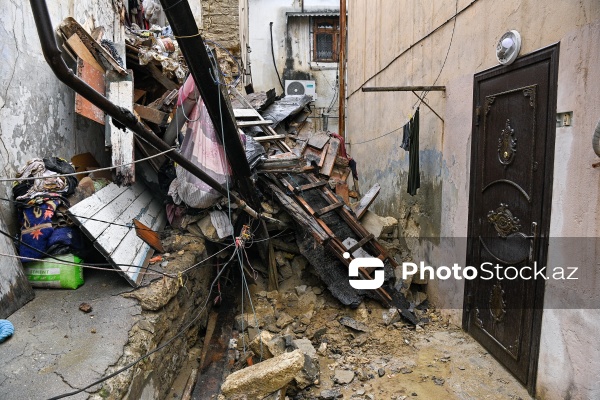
(260, 380)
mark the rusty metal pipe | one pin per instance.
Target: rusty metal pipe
(53, 56)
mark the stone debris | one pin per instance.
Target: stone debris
(262, 379)
(329, 394)
(343, 376)
(354, 324)
(85, 307)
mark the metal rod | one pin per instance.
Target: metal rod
(342, 72)
(53, 57)
(427, 105)
(404, 88)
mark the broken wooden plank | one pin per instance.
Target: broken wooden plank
(70, 26)
(329, 208)
(245, 113)
(310, 186)
(334, 145)
(341, 189)
(299, 214)
(95, 79)
(152, 115)
(149, 236)
(366, 201)
(323, 155)
(120, 92)
(106, 217)
(158, 75)
(80, 49)
(246, 124)
(268, 138)
(360, 243)
(138, 94)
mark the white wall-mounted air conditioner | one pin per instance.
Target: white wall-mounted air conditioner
(297, 88)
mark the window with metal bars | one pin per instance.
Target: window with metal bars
(326, 33)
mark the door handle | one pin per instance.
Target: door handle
(533, 237)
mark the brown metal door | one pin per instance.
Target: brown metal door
(511, 181)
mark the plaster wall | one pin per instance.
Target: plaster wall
(292, 50)
(37, 117)
(394, 41)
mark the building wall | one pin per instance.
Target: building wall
(291, 42)
(412, 43)
(37, 117)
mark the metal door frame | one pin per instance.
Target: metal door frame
(550, 53)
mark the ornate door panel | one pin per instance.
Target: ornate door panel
(511, 180)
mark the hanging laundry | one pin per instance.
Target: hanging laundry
(414, 177)
(406, 137)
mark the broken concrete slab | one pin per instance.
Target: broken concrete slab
(379, 226)
(390, 316)
(305, 346)
(266, 345)
(260, 380)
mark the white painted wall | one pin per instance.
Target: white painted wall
(264, 77)
(569, 356)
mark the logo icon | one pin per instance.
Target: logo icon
(364, 262)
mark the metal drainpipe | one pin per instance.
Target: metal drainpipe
(54, 58)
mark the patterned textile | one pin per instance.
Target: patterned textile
(36, 228)
(202, 147)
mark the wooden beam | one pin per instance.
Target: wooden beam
(120, 92)
(366, 201)
(330, 208)
(79, 48)
(158, 75)
(404, 88)
(245, 124)
(152, 115)
(267, 138)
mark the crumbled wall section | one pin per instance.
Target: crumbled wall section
(167, 309)
(220, 20)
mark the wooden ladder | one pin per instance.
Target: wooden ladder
(366, 239)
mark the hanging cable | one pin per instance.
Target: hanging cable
(165, 344)
(273, 55)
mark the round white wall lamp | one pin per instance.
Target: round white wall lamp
(508, 47)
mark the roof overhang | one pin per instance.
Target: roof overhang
(329, 13)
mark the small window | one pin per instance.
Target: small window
(325, 39)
